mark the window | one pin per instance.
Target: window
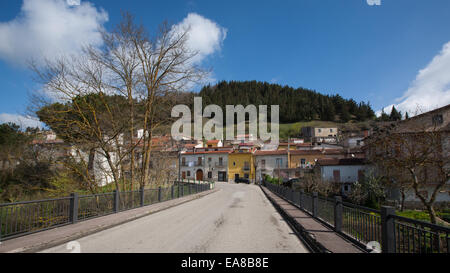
(331, 130)
(246, 165)
(209, 159)
(183, 161)
(438, 120)
(263, 164)
(320, 130)
(279, 162)
(337, 175)
(234, 164)
(188, 173)
(209, 174)
(303, 161)
(358, 143)
(220, 161)
(246, 176)
(360, 175)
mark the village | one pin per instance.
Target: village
(338, 159)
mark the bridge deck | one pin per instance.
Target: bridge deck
(322, 234)
(60, 235)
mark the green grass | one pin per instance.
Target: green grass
(423, 215)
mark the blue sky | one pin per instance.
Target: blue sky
(369, 53)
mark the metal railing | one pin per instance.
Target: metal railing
(395, 234)
(419, 237)
(22, 218)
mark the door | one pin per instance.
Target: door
(222, 176)
(199, 175)
(337, 176)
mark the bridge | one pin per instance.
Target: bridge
(212, 218)
(229, 218)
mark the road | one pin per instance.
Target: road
(237, 218)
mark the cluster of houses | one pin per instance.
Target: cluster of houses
(339, 156)
(252, 159)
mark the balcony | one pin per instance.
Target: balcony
(199, 164)
(246, 168)
(220, 165)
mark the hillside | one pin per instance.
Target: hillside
(296, 105)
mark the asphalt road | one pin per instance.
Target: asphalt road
(237, 218)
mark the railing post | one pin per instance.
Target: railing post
(338, 213)
(315, 203)
(189, 189)
(171, 192)
(116, 201)
(142, 192)
(300, 198)
(387, 229)
(74, 208)
(159, 194)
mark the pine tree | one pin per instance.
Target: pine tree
(384, 116)
(395, 115)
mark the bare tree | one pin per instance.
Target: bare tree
(411, 154)
(108, 93)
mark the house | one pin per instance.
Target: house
(192, 165)
(216, 165)
(205, 164)
(424, 142)
(271, 163)
(214, 143)
(344, 171)
(317, 134)
(353, 142)
(240, 164)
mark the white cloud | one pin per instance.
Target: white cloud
(49, 28)
(430, 89)
(205, 36)
(22, 121)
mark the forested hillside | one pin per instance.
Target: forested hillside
(295, 104)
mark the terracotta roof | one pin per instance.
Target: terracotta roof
(317, 152)
(208, 152)
(54, 141)
(341, 161)
(278, 152)
(212, 141)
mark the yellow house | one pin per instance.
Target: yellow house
(240, 164)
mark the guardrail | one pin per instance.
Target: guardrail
(362, 225)
(23, 218)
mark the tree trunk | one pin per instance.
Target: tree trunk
(402, 206)
(432, 212)
(91, 162)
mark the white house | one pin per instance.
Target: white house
(346, 171)
(270, 163)
(205, 164)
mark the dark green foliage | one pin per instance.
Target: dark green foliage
(395, 115)
(295, 104)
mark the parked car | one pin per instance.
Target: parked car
(241, 180)
(289, 182)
